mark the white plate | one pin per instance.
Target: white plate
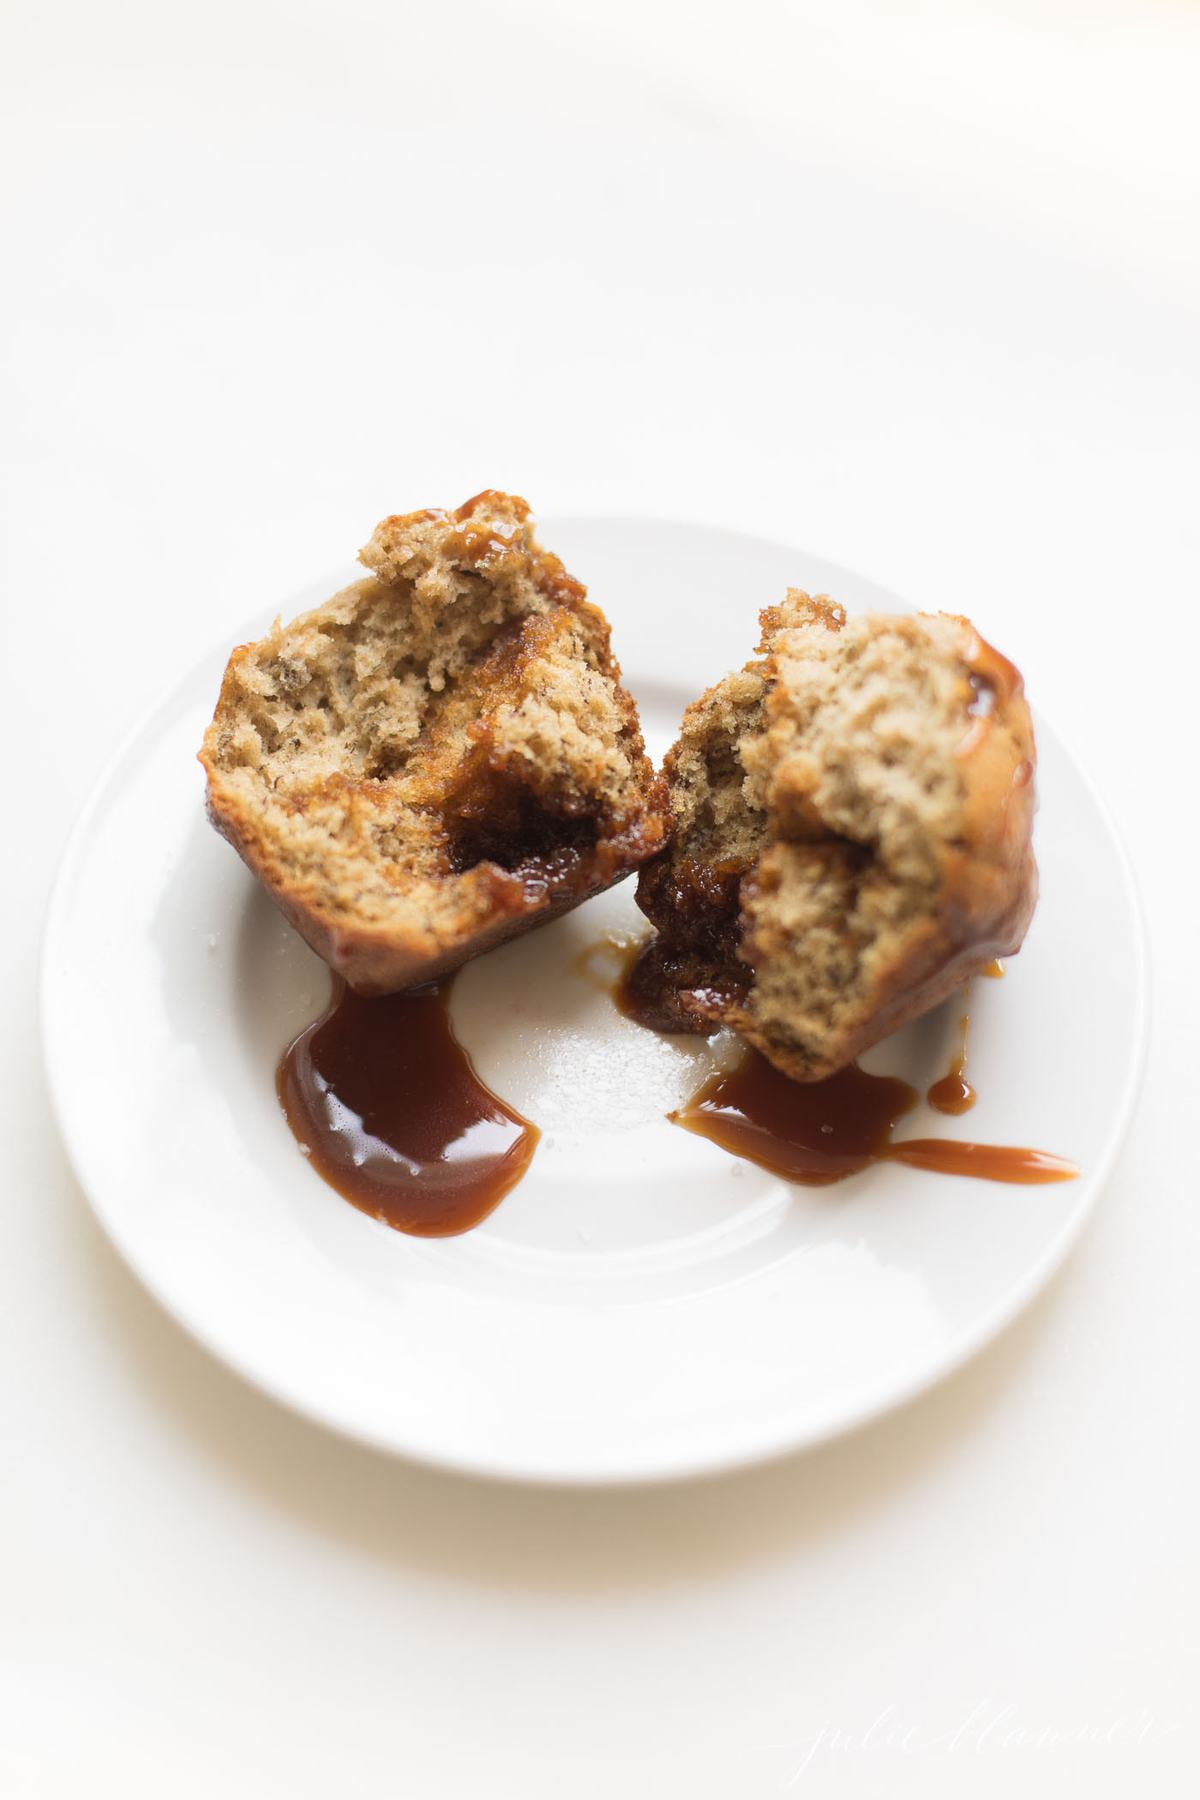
(643, 1305)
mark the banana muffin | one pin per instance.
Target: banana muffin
(852, 835)
(439, 757)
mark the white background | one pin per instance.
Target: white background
(916, 287)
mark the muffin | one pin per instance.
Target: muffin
(439, 757)
(852, 835)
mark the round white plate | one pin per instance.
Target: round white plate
(643, 1305)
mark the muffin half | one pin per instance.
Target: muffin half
(853, 815)
(439, 757)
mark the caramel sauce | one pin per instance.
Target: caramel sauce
(663, 989)
(813, 1132)
(627, 967)
(993, 970)
(990, 1162)
(993, 681)
(989, 668)
(638, 1000)
(384, 1102)
(821, 1131)
(689, 973)
(953, 1093)
(479, 544)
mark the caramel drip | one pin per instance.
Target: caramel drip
(821, 1131)
(953, 1093)
(384, 1102)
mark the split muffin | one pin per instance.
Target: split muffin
(439, 757)
(853, 813)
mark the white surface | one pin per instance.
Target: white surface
(916, 286)
(644, 1306)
